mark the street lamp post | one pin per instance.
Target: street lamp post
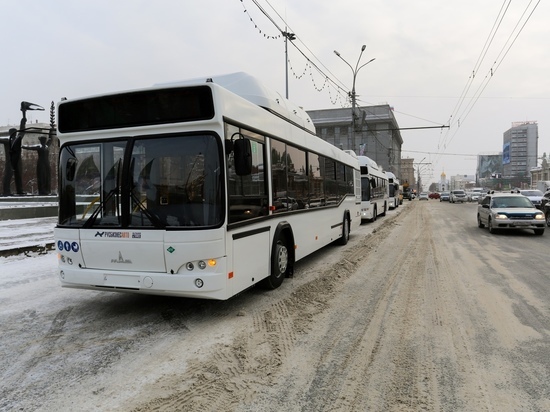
(351, 144)
(419, 181)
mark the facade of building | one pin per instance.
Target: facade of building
(463, 182)
(443, 184)
(372, 132)
(489, 166)
(407, 173)
(541, 173)
(520, 151)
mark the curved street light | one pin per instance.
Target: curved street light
(352, 93)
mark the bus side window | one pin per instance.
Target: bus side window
(245, 182)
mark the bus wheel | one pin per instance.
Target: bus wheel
(374, 213)
(385, 209)
(279, 265)
(345, 232)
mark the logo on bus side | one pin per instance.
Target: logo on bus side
(122, 235)
(120, 259)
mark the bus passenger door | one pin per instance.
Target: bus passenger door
(250, 258)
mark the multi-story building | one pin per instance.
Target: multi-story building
(463, 182)
(372, 132)
(407, 173)
(520, 151)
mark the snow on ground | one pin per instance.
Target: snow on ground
(21, 233)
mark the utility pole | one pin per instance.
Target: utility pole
(288, 36)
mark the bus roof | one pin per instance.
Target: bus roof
(251, 89)
(367, 161)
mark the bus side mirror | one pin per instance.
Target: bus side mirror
(243, 156)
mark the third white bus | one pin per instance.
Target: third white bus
(394, 191)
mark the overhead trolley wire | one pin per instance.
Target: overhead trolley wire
(490, 73)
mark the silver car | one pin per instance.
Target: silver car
(458, 196)
(509, 211)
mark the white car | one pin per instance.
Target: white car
(535, 196)
(509, 211)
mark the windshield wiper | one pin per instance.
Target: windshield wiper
(150, 215)
(108, 196)
(89, 223)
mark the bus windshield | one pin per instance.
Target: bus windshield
(157, 182)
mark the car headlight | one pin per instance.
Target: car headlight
(500, 216)
(539, 216)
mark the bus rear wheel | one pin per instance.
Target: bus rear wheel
(345, 232)
(279, 265)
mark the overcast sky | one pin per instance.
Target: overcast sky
(426, 54)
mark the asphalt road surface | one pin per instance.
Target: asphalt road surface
(421, 311)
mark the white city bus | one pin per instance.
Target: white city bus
(197, 189)
(374, 189)
(394, 191)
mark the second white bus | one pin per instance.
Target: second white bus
(374, 189)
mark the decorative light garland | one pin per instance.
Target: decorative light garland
(269, 37)
(326, 82)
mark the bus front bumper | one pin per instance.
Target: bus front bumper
(197, 285)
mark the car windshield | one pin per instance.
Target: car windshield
(511, 201)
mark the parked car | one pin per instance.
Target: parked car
(434, 195)
(289, 203)
(458, 196)
(545, 199)
(423, 196)
(509, 211)
(546, 210)
(444, 196)
(535, 196)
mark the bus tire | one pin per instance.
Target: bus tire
(385, 209)
(279, 265)
(345, 232)
(374, 214)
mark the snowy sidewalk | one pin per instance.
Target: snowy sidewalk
(22, 234)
